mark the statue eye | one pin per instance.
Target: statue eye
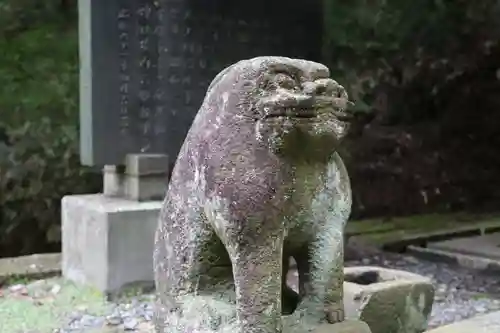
(285, 81)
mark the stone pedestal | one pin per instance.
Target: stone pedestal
(107, 239)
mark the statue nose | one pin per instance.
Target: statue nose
(324, 87)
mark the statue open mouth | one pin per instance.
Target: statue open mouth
(314, 114)
(315, 105)
(292, 113)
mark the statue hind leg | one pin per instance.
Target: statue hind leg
(185, 248)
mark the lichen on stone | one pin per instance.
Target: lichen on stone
(258, 180)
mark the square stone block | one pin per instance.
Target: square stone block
(113, 182)
(388, 300)
(133, 186)
(146, 164)
(108, 242)
(145, 188)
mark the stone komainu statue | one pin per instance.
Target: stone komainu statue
(257, 181)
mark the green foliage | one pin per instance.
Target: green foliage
(39, 162)
(426, 74)
(39, 76)
(397, 56)
(39, 168)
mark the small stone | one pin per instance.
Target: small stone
(90, 321)
(37, 283)
(130, 324)
(126, 314)
(55, 289)
(16, 288)
(412, 260)
(38, 303)
(37, 293)
(114, 320)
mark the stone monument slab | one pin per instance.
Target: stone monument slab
(119, 86)
(146, 64)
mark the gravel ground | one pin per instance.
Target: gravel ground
(460, 293)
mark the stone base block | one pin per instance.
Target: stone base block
(108, 242)
(142, 178)
(389, 301)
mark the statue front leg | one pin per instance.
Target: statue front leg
(257, 270)
(321, 276)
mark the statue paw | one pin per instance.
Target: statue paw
(335, 315)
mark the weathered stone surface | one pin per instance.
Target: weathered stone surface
(488, 323)
(257, 181)
(389, 301)
(107, 242)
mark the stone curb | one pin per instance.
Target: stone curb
(483, 265)
(421, 239)
(32, 266)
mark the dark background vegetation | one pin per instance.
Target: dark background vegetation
(425, 76)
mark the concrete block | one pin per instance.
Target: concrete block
(146, 164)
(145, 188)
(388, 300)
(108, 242)
(113, 182)
(143, 178)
